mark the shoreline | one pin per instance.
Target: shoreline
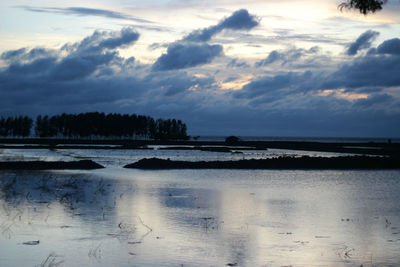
(371, 148)
(50, 165)
(279, 163)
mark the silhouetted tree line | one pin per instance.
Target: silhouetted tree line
(95, 124)
(15, 126)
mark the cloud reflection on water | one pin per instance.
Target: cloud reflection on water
(210, 217)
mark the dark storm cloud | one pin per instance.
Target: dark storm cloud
(98, 42)
(82, 59)
(84, 11)
(24, 54)
(181, 56)
(374, 100)
(85, 76)
(369, 90)
(287, 56)
(187, 53)
(368, 71)
(101, 40)
(270, 85)
(202, 35)
(36, 67)
(13, 54)
(239, 20)
(364, 41)
(390, 47)
(370, 74)
(236, 63)
(35, 76)
(176, 83)
(127, 37)
(272, 57)
(78, 67)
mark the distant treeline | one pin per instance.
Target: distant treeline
(94, 125)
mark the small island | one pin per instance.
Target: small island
(302, 163)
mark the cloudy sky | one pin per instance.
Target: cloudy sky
(263, 68)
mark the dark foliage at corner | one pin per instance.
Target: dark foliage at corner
(364, 6)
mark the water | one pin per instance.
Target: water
(306, 139)
(121, 157)
(126, 217)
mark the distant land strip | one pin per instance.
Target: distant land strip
(371, 148)
(50, 165)
(303, 163)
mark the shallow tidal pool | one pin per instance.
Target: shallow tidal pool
(120, 217)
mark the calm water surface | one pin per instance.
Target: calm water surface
(120, 217)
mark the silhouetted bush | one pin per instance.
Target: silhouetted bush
(232, 140)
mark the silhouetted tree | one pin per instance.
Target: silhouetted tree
(169, 129)
(38, 125)
(26, 126)
(364, 6)
(15, 126)
(2, 127)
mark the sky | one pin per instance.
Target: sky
(247, 68)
